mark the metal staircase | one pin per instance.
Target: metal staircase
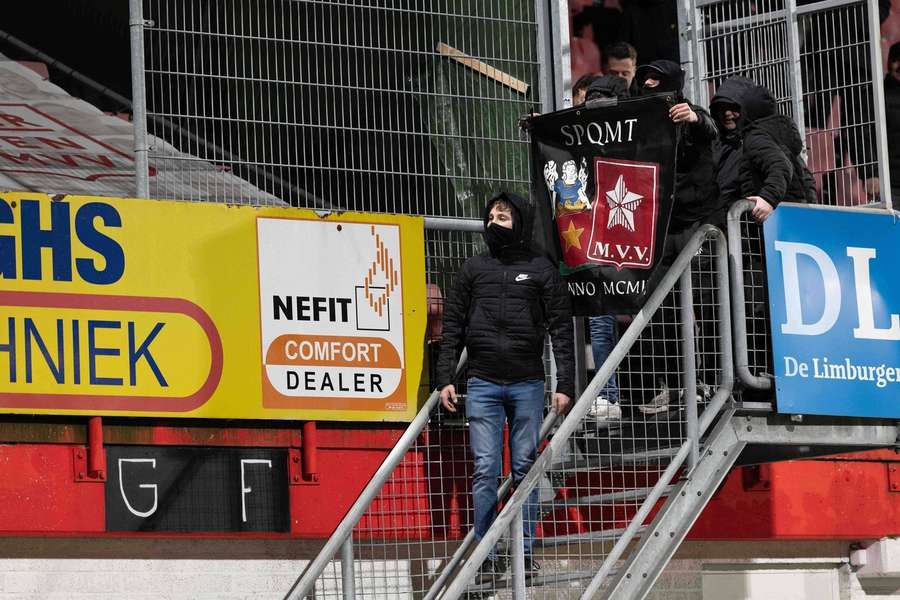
(617, 498)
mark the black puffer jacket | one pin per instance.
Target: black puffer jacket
(696, 197)
(771, 166)
(727, 151)
(500, 309)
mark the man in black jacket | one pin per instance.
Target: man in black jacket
(696, 202)
(696, 197)
(770, 168)
(502, 306)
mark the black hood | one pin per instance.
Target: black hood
(758, 110)
(755, 101)
(670, 75)
(523, 217)
(607, 86)
(782, 129)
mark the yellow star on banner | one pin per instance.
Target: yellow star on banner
(572, 235)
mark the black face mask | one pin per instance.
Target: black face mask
(499, 238)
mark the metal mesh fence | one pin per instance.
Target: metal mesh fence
(815, 58)
(404, 542)
(756, 300)
(838, 99)
(380, 106)
(749, 38)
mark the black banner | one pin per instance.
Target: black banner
(185, 489)
(602, 186)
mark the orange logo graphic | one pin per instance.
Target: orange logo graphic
(383, 262)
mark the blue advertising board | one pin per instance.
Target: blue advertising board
(834, 295)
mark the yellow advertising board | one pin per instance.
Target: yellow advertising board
(181, 309)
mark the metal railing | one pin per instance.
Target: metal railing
(749, 305)
(686, 451)
(580, 448)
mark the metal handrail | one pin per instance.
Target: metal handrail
(689, 446)
(739, 315)
(307, 579)
(580, 408)
(453, 562)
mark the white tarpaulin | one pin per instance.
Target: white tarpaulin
(54, 143)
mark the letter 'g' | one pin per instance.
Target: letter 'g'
(793, 305)
(143, 486)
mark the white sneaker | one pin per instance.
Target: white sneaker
(604, 410)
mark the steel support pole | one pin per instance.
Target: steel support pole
(139, 100)
(559, 15)
(517, 535)
(348, 585)
(688, 356)
(884, 172)
(794, 70)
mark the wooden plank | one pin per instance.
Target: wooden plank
(482, 67)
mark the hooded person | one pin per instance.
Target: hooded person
(605, 90)
(770, 168)
(606, 87)
(502, 305)
(696, 202)
(696, 197)
(727, 111)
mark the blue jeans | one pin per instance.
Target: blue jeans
(488, 406)
(603, 338)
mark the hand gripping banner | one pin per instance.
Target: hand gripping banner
(602, 185)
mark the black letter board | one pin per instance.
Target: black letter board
(191, 489)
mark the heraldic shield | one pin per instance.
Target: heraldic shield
(620, 227)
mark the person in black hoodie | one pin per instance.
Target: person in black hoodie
(696, 198)
(770, 169)
(503, 304)
(695, 202)
(727, 111)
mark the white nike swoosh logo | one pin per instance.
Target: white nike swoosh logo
(521, 277)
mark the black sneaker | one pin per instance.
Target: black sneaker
(532, 567)
(491, 571)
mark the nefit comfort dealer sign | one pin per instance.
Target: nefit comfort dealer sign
(835, 310)
(136, 307)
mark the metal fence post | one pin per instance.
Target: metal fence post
(884, 173)
(517, 535)
(559, 14)
(348, 585)
(689, 366)
(793, 39)
(139, 99)
(698, 66)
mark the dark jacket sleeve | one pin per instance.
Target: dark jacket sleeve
(704, 131)
(453, 338)
(558, 308)
(767, 158)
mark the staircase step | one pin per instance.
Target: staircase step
(593, 463)
(591, 536)
(551, 579)
(600, 499)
